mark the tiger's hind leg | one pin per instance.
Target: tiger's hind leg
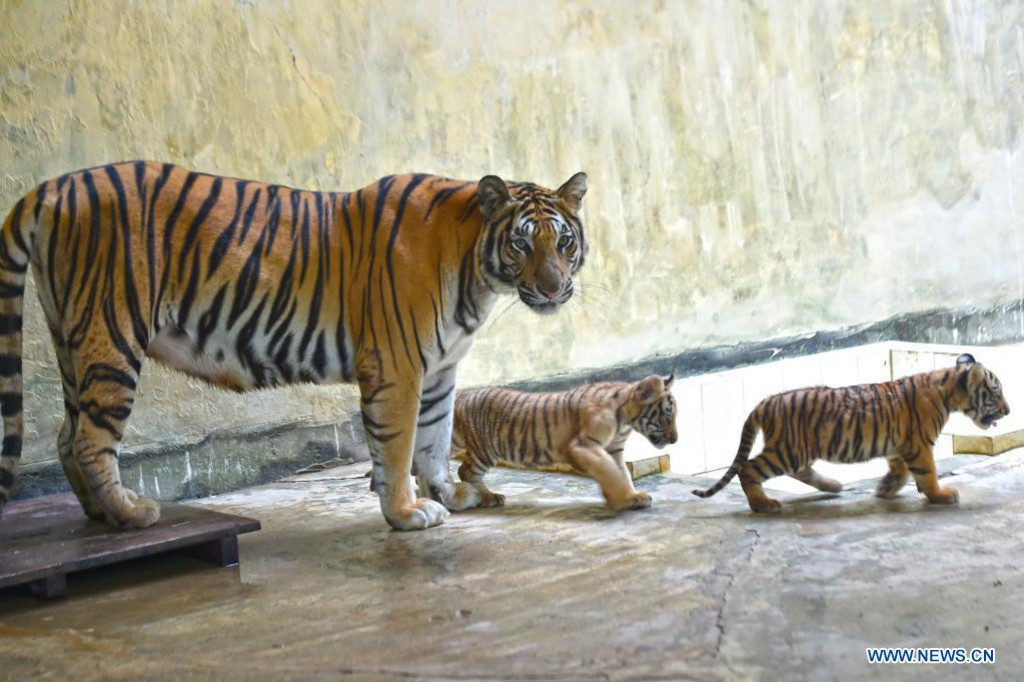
(473, 474)
(106, 378)
(756, 471)
(894, 480)
(66, 436)
(812, 478)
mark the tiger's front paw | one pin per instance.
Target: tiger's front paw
(764, 505)
(944, 496)
(637, 500)
(423, 513)
(492, 499)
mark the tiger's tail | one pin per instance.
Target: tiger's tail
(750, 429)
(14, 258)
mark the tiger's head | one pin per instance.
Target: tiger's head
(533, 241)
(656, 418)
(983, 392)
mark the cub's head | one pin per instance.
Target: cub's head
(985, 401)
(533, 240)
(657, 417)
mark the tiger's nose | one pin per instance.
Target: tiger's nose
(550, 294)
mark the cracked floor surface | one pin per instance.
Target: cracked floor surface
(554, 587)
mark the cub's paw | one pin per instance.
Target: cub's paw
(465, 497)
(492, 499)
(765, 505)
(423, 513)
(829, 485)
(889, 486)
(944, 496)
(637, 500)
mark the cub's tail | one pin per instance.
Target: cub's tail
(14, 258)
(750, 429)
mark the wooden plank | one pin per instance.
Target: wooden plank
(51, 586)
(639, 468)
(660, 464)
(988, 445)
(45, 538)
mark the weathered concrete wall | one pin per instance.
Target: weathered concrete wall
(757, 170)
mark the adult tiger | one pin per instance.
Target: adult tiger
(249, 285)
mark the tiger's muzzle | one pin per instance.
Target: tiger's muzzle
(543, 300)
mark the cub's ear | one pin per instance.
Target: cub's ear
(669, 380)
(965, 359)
(573, 191)
(649, 390)
(493, 195)
(970, 373)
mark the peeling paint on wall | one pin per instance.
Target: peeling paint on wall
(757, 169)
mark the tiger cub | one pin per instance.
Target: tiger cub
(900, 420)
(585, 428)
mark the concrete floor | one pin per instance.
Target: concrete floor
(554, 587)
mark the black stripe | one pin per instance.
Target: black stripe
(10, 404)
(139, 327)
(10, 324)
(223, 241)
(104, 373)
(11, 290)
(12, 446)
(10, 365)
(197, 223)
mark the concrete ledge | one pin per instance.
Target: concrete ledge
(221, 462)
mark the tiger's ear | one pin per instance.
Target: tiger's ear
(573, 191)
(970, 373)
(965, 359)
(492, 192)
(669, 380)
(649, 390)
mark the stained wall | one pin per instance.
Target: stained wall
(757, 169)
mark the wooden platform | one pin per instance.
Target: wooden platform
(45, 538)
(988, 445)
